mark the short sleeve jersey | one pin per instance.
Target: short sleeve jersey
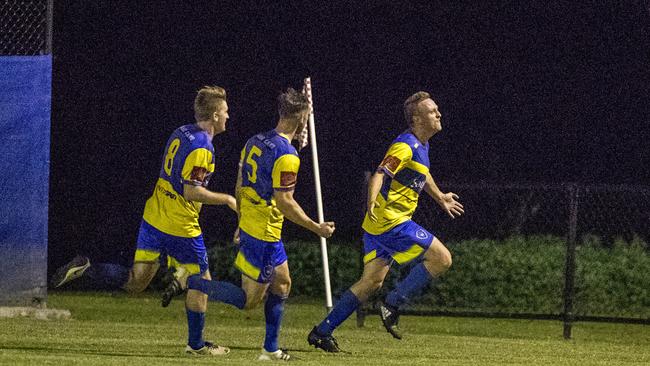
(406, 165)
(188, 159)
(268, 163)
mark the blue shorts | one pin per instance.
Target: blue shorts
(257, 259)
(188, 253)
(403, 243)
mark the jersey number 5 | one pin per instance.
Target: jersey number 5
(255, 151)
(171, 153)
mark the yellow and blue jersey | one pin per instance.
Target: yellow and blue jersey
(188, 159)
(268, 163)
(406, 165)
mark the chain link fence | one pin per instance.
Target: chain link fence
(566, 252)
(612, 254)
(611, 213)
(25, 27)
(608, 213)
(499, 212)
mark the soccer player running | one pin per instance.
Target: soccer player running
(170, 221)
(268, 169)
(390, 234)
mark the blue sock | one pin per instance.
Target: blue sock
(346, 305)
(195, 323)
(416, 280)
(273, 310)
(107, 276)
(221, 291)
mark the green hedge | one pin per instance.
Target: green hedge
(613, 281)
(517, 275)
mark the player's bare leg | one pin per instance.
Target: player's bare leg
(437, 259)
(196, 303)
(254, 290)
(197, 300)
(140, 275)
(371, 280)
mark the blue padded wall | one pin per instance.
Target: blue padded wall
(25, 104)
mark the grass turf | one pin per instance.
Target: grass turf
(121, 330)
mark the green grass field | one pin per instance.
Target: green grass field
(121, 330)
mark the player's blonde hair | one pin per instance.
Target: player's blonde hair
(207, 101)
(291, 104)
(411, 105)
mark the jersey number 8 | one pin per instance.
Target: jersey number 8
(171, 153)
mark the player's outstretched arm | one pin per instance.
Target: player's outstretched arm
(447, 201)
(292, 211)
(374, 186)
(203, 195)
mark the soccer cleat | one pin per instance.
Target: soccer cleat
(175, 287)
(74, 269)
(279, 355)
(390, 318)
(208, 349)
(167, 277)
(326, 343)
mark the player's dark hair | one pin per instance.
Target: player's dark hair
(411, 104)
(207, 101)
(291, 104)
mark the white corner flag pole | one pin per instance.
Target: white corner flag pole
(319, 197)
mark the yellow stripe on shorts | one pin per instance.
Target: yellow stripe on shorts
(370, 256)
(145, 256)
(246, 267)
(191, 268)
(407, 255)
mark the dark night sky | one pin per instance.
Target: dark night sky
(529, 92)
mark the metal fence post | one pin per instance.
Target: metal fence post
(570, 264)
